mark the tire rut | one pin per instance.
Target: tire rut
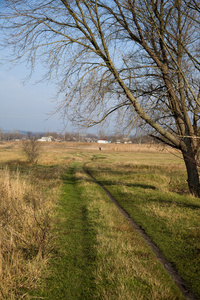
(178, 280)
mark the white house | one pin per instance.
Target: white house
(102, 141)
(46, 139)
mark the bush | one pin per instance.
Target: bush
(32, 150)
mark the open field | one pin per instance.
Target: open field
(76, 244)
(155, 195)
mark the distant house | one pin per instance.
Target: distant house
(46, 139)
(103, 141)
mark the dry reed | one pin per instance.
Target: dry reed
(25, 214)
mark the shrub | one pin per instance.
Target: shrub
(32, 150)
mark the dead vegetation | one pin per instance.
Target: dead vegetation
(26, 219)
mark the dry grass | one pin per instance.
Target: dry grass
(28, 199)
(51, 153)
(26, 217)
(10, 151)
(149, 148)
(25, 213)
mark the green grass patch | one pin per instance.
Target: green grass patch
(97, 254)
(171, 219)
(71, 266)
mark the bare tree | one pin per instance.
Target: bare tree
(137, 57)
(193, 4)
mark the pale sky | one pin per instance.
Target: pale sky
(27, 107)
(30, 106)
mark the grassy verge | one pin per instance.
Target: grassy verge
(97, 254)
(156, 198)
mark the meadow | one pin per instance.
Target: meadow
(62, 238)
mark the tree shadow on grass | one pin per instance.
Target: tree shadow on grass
(161, 198)
(180, 203)
(136, 185)
(121, 183)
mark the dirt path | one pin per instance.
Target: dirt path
(180, 283)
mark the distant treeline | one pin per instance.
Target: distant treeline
(75, 137)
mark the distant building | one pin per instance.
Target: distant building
(46, 139)
(103, 141)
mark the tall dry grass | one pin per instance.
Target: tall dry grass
(25, 220)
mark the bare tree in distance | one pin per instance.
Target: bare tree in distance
(139, 58)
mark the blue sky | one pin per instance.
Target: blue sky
(26, 107)
(30, 106)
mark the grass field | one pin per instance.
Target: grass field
(74, 243)
(156, 196)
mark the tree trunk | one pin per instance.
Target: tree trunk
(192, 172)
